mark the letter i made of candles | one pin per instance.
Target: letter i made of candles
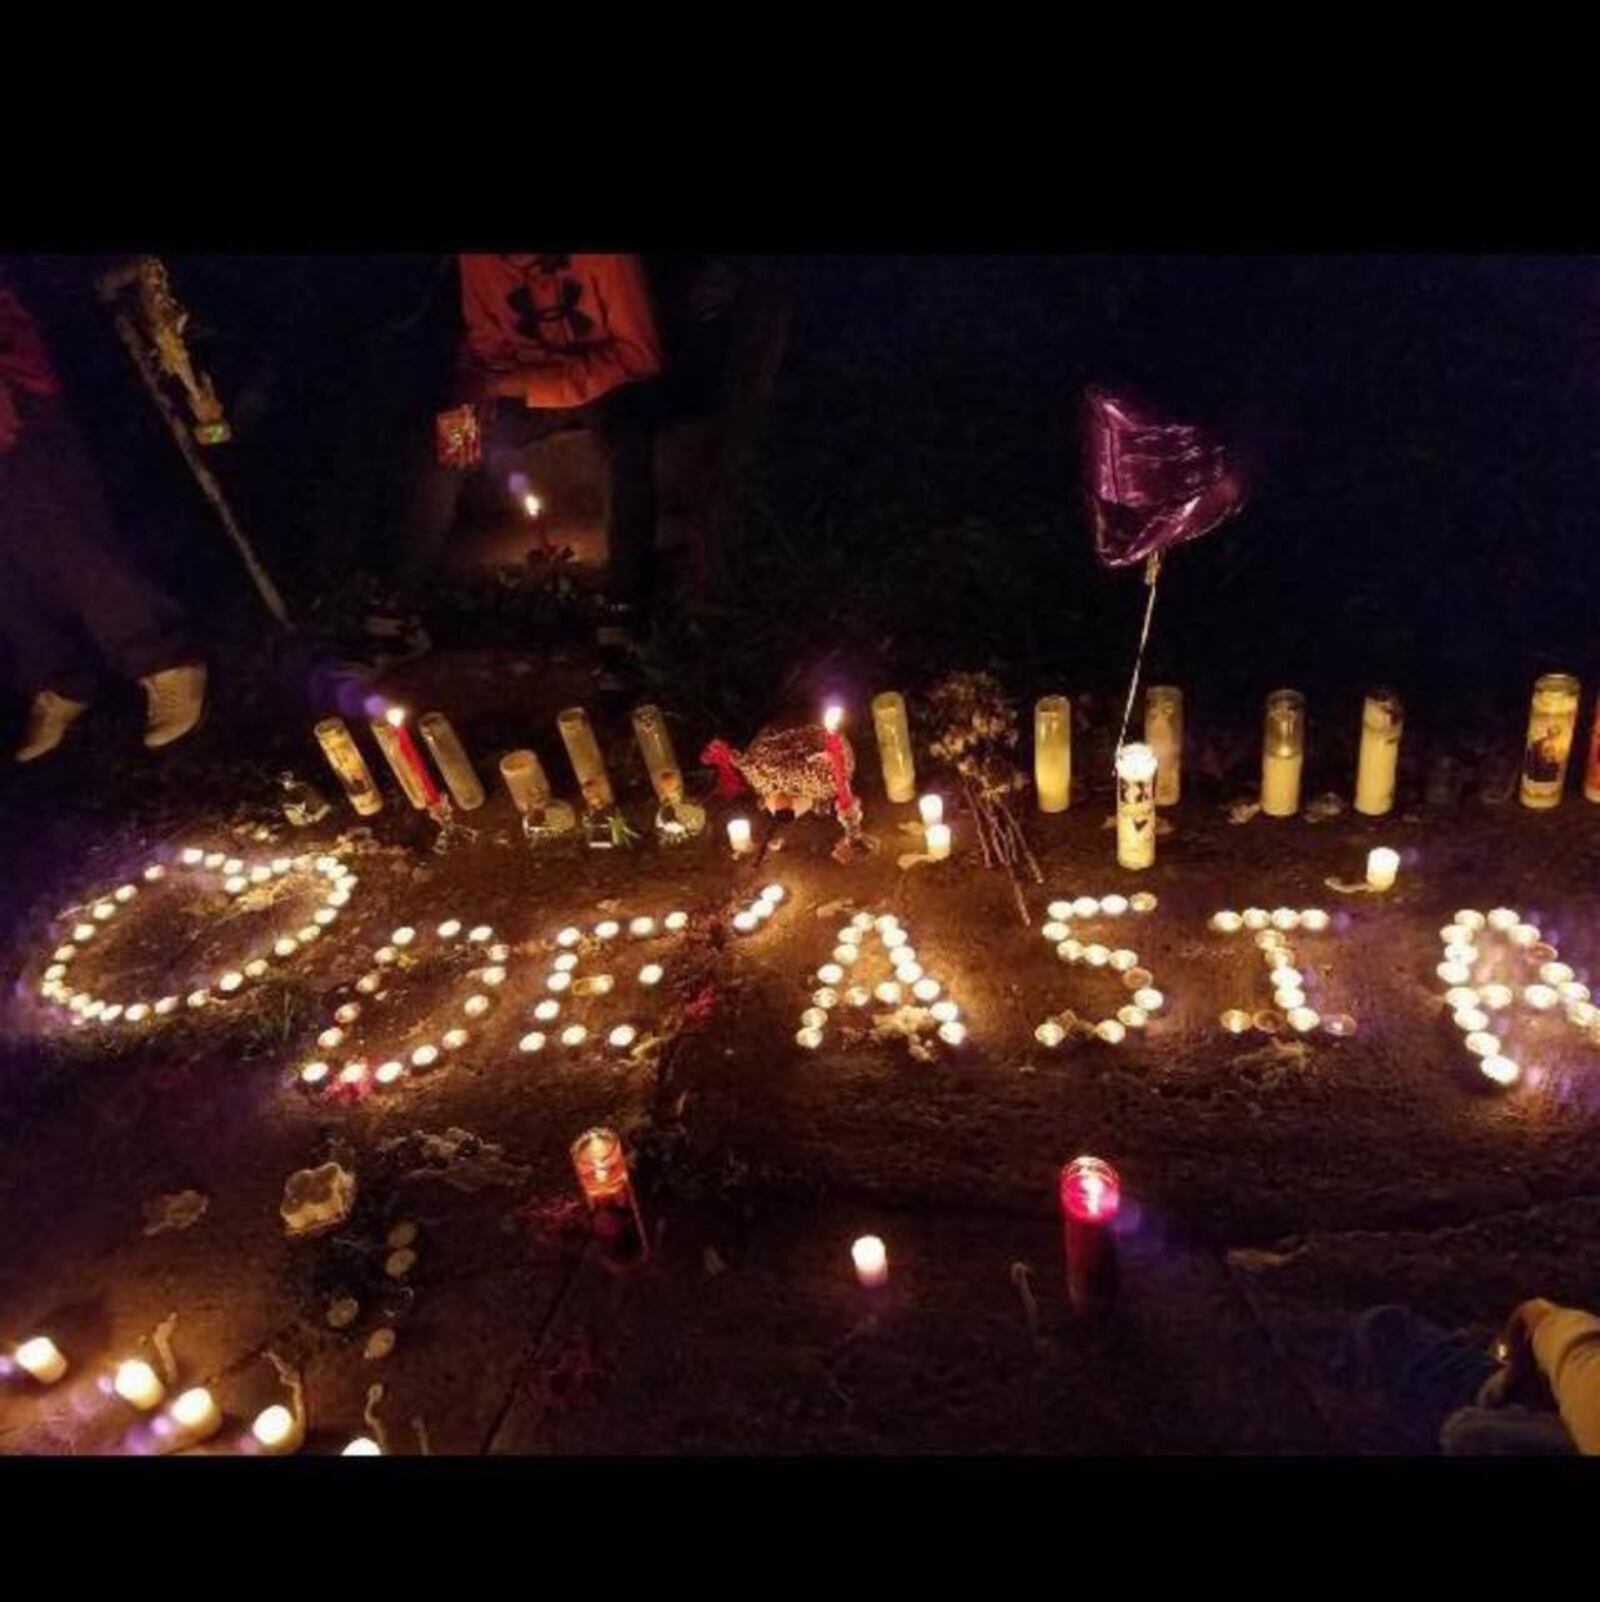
(1382, 722)
(1052, 752)
(349, 766)
(1163, 733)
(1283, 753)
(1552, 721)
(894, 746)
(602, 1170)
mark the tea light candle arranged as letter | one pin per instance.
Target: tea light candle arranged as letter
(41, 1358)
(196, 1415)
(602, 1171)
(138, 1385)
(871, 1258)
(1382, 720)
(349, 766)
(278, 1430)
(1091, 1193)
(1283, 751)
(1052, 752)
(1552, 720)
(1383, 865)
(401, 753)
(1163, 733)
(454, 763)
(1136, 806)
(894, 745)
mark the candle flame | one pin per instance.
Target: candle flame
(532, 505)
(832, 717)
(396, 715)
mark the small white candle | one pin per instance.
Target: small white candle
(277, 1430)
(137, 1384)
(650, 974)
(938, 838)
(1501, 1070)
(196, 1414)
(389, 1073)
(364, 1445)
(871, 1258)
(1226, 922)
(739, 835)
(41, 1358)
(952, 1032)
(932, 809)
(1050, 1033)
(1383, 865)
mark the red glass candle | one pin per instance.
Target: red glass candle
(844, 798)
(1091, 1194)
(602, 1170)
(411, 756)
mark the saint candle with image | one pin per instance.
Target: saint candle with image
(1552, 721)
(349, 766)
(1163, 733)
(1136, 806)
(894, 745)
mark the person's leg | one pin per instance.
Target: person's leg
(1504, 1432)
(1423, 1371)
(625, 425)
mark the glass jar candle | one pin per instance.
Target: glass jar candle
(1163, 733)
(1091, 1196)
(660, 760)
(525, 779)
(349, 766)
(602, 1170)
(452, 759)
(1591, 771)
(1136, 806)
(894, 745)
(1052, 752)
(1552, 720)
(1283, 751)
(1382, 720)
(583, 751)
(405, 761)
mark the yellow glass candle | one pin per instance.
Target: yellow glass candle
(1136, 806)
(1163, 733)
(1382, 720)
(1052, 752)
(452, 760)
(660, 760)
(1283, 753)
(894, 745)
(525, 779)
(349, 766)
(583, 751)
(1552, 720)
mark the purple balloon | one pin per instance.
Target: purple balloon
(1152, 482)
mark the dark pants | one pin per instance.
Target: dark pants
(65, 581)
(1431, 1378)
(623, 423)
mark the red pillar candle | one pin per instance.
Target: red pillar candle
(413, 772)
(1091, 1193)
(602, 1170)
(844, 798)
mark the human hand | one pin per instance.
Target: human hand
(1523, 1379)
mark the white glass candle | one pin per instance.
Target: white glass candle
(1383, 865)
(739, 835)
(871, 1258)
(894, 745)
(938, 839)
(1382, 720)
(1283, 750)
(1052, 752)
(1163, 733)
(932, 809)
(277, 1430)
(197, 1415)
(1136, 807)
(525, 780)
(138, 1384)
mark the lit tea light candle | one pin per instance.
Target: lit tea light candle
(829, 997)
(952, 1032)
(1227, 922)
(1097, 956)
(830, 973)
(389, 1073)
(926, 990)
(565, 962)
(871, 1259)
(908, 973)
(889, 993)
(1500, 1070)
(1086, 907)
(932, 809)
(1525, 934)
(1235, 1020)
(191, 856)
(277, 1430)
(425, 1056)
(650, 974)
(1055, 933)
(481, 934)
(1285, 918)
(329, 1038)
(546, 1010)
(454, 1039)
(622, 1037)
(1303, 1019)
(138, 1385)
(364, 1445)
(641, 928)
(1122, 960)
(858, 995)
(230, 982)
(607, 929)
(1314, 920)
(82, 932)
(1471, 1020)
(1255, 918)
(847, 956)
(1383, 867)
(137, 1012)
(574, 1035)
(558, 981)
(475, 1006)
(531, 1042)
(1555, 973)
(808, 1037)
(493, 976)
(938, 841)
(347, 1014)
(1483, 1044)
(1573, 991)
(313, 1073)
(214, 859)
(739, 835)
(1496, 997)
(1454, 973)
(762, 910)
(893, 937)
(1540, 997)
(1132, 1017)
(196, 1415)
(600, 984)
(41, 1359)
(1111, 1031)
(353, 1072)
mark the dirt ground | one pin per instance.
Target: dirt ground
(1271, 1189)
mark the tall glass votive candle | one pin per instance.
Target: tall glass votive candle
(1552, 721)
(1283, 753)
(602, 1170)
(1091, 1195)
(1052, 752)
(1382, 721)
(1136, 806)
(583, 750)
(525, 779)
(1591, 770)
(349, 766)
(452, 760)
(1163, 733)
(405, 761)
(894, 745)
(660, 760)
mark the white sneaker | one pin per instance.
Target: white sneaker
(177, 698)
(49, 718)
